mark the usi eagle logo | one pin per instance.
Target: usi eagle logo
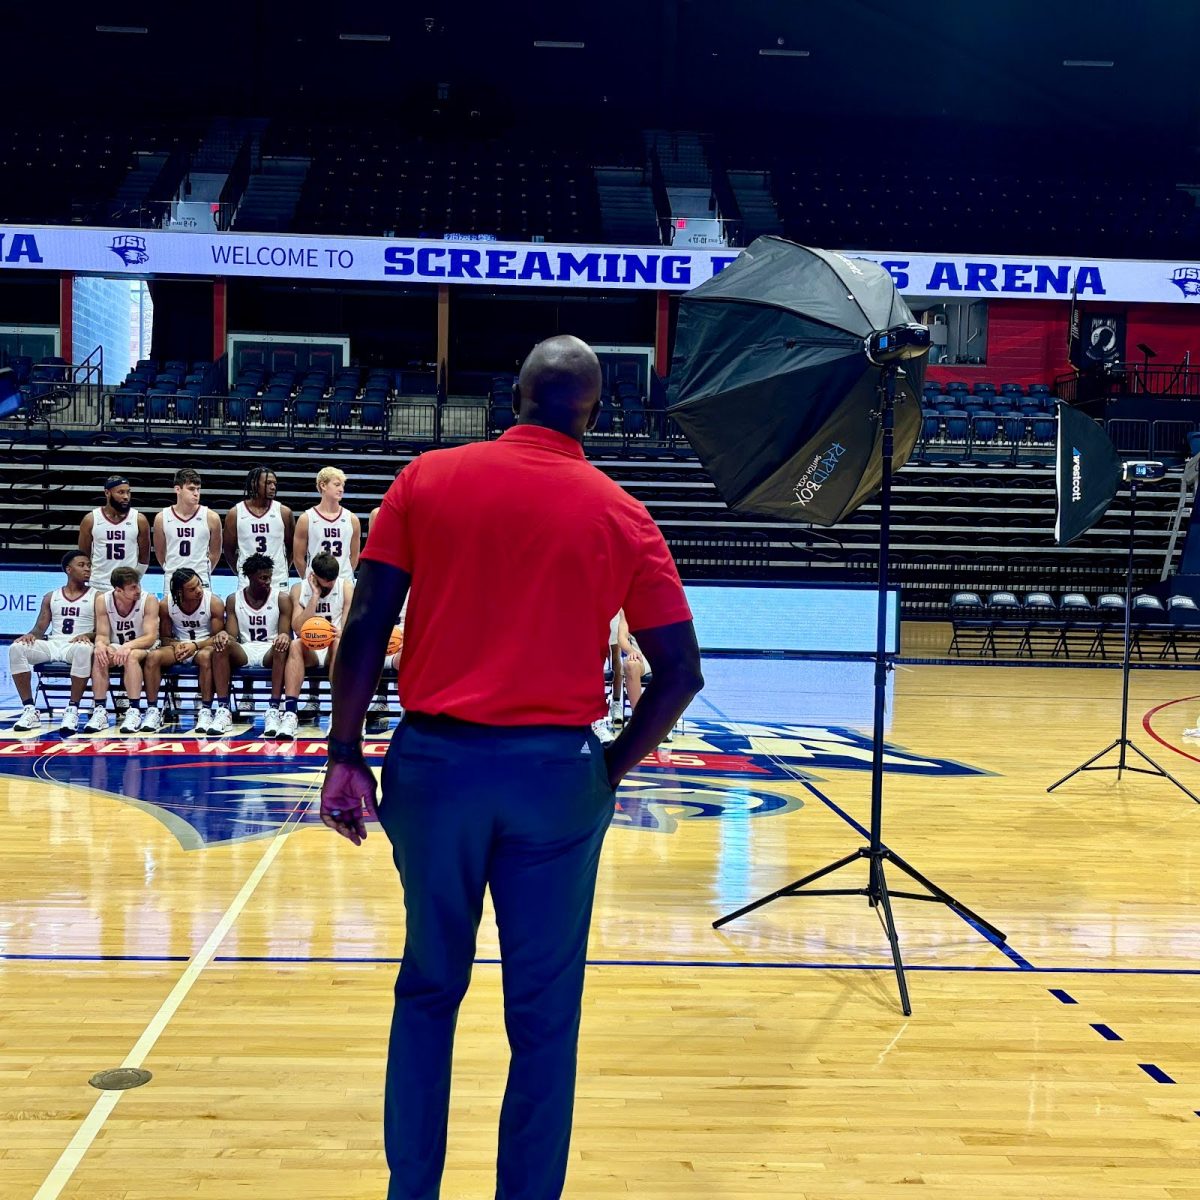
(130, 248)
(1187, 280)
(214, 792)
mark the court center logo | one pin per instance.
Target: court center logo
(211, 793)
(1187, 280)
(130, 248)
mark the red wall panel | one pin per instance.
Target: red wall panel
(1027, 340)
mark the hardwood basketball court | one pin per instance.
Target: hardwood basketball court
(177, 906)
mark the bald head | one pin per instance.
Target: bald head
(560, 385)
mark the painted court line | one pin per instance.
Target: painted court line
(689, 964)
(60, 1174)
(1156, 1073)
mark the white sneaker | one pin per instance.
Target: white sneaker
(98, 722)
(271, 722)
(288, 724)
(70, 719)
(203, 722)
(151, 722)
(133, 720)
(604, 731)
(222, 721)
(29, 719)
(1192, 733)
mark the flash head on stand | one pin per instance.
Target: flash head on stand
(909, 340)
(1142, 472)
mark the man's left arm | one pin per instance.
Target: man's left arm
(349, 786)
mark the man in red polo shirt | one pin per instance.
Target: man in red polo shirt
(494, 779)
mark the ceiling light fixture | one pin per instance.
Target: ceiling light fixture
(122, 29)
(1087, 62)
(559, 45)
(364, 37)
(775, 52)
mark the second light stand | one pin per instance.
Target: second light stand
(875, 852)
(1124, 743)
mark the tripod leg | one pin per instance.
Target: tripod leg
(879, 891)
(944, 896)
(1165, 774)
(791, 888)
(1084, 766)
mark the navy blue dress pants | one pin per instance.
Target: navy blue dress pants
(522, 811)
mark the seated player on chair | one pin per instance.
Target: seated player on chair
(191, 630)
(62, 633)
(258, 619)
(324, 594)
(126, 634)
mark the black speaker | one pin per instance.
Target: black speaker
(1097, 340)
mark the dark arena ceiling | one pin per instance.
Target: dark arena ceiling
(862, 69)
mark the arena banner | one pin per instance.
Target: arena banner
(149, 252)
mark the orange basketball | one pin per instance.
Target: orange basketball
(317, 633)
(396, 641)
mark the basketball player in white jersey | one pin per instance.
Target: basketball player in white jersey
(258, 619)
(126, 633)
(188, 534)
(324, 593)
(328, 528)
(259, 524)
(191, 629)
(115, 534)
(62, 633)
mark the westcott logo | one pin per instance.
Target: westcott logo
(212, 793)
(130, 248)
(1187, 280)
(818, 473)
(1076, 474)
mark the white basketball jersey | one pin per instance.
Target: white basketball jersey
(256, 624)
(330, 537)
(125, 629)
(330, 607)
(70, 618)
(114, 544)
(263, 535)
(187, 543)
(190, 627)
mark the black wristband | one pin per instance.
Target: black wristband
(343, 752)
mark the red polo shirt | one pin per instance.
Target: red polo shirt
(520, 552)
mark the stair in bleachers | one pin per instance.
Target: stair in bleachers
(272, 195)
(759, 212)
(627, 213)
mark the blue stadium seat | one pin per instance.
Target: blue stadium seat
(158, 406)
(633, 415)
(305, 412)
(984, 429)
(374, 413)
(502, 417)
(274, 410)
(958, 426)
(237, 410)
(187, 407)
(124, 405)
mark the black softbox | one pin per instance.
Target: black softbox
(771, 385)
(1087, 474)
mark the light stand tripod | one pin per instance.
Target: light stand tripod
(876, 853)
(1124, 741)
